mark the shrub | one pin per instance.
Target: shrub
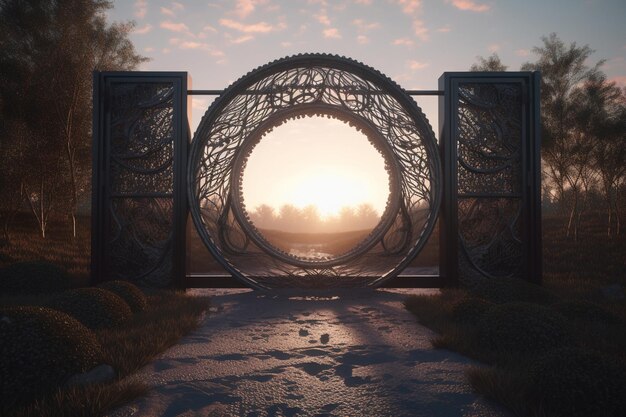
(586, 311)
(510, 290)
(522, 328)
(40, 349)
(469, 310)
(94, 307)
(574, 382)
(133, 296)
(33, 278)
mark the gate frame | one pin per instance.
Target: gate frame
(448, 216)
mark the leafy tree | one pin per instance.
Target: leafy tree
(492, 63)
(48, 51)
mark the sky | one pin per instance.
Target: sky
(411, 41)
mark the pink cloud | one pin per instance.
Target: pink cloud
(410, 6)
(141, 8)
(362, 39)
(364, 26)
(620, 80)
(143, 30)
(363, 2)
(244, 8)
(444, 29)
(403, 42)
(522, 52)
(470, 6)
(331, 33)
(242, 39)
(323, 18)
(260, 27)
(416, 65)
(174, 27)
(420, 30)
(168, 12)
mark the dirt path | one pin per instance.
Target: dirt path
(359, 353)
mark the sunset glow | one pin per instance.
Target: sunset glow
(315, 161)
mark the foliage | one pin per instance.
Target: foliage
(585, 311)
(491, 63)
(523, 328)
(507, 290)
(578, 383)
(33, 277)
(48, 51)
(134, 297)
(469, 309)
(39, 349)
(94, 307)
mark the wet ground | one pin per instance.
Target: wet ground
(345, 353)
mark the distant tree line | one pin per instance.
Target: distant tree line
(583, 132)
(48, 50)
(290, 218)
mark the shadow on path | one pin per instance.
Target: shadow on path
(347, 353)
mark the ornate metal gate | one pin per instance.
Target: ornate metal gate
(489, 147)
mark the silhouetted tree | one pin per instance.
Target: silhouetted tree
(492, 63)
(565, 146)
(48, 50)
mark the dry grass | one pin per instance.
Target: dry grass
(129, 347)
(169, 316)
(572, 271)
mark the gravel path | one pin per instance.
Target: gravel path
(356, 353)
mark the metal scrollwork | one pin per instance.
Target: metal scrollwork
(490, 177)
(300, 86)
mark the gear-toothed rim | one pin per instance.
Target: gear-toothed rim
(368, 74)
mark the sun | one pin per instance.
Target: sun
(329, 191)
(315, 161)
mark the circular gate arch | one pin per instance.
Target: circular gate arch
(313, 85)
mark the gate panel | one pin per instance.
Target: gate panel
(490, 223)
(139, 165)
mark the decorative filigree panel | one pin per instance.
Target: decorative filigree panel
(303, 86)
(491, 226)
(489, 138)
(490, 235)
(138, 140)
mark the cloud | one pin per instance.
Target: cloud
(362, 39)
(148, 49)
(168, 12)
(403, 42)
(363, 2)
(331, 33)
(177, 6)
(209, 28)
(416, 65)
(286, 44)
(242, 39)
(494, 47)
(323, 18)
(141, 8)
(192, 45)
(244, 8)
(174, 27)
(620, 80)
(410, 6)
(260, 27)
(522, 52)
(420, 30)
(444, 29)
(363, 26)
(142, 30)
(470, 6)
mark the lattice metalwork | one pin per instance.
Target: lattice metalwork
(137, 141)
(301, 86)
(492, 194)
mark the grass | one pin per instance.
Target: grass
(127, 348)
(573, 271)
